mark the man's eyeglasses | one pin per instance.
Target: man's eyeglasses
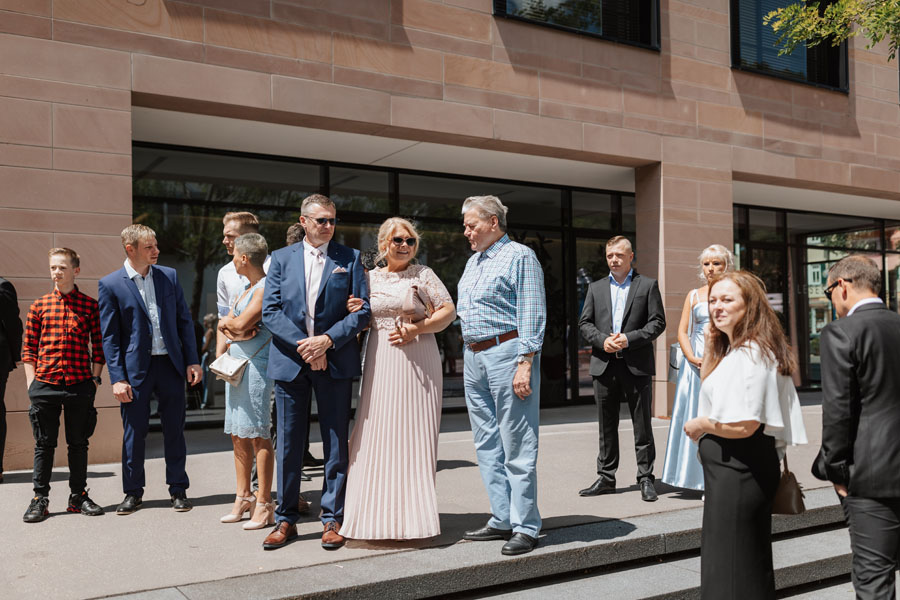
(324, 220)
(398, 241)
(831, 287)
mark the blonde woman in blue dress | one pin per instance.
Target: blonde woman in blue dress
(681, 467)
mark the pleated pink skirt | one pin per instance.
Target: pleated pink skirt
(393, 448)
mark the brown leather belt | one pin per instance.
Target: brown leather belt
(490, 343)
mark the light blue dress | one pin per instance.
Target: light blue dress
(247, 413)
(682, 467)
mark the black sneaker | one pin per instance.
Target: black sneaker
(180, 502)
(37, 510)
(82, 503)
(128, 505)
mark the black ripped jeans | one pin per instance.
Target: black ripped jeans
(76, 401)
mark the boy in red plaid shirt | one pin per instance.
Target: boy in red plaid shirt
(63, 358)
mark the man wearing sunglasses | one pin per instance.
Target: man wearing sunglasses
(860, 452)
(314, 348)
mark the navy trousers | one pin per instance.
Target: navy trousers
(167, 384)
(292, 400)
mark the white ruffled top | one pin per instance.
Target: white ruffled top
(745, 386)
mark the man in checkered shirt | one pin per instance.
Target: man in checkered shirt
(63, 358)
(503, 310)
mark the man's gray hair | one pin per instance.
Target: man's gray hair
(487, 207)
(860, 270)
(254, 247)
(320, 199)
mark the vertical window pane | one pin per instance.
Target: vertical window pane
(590, 266)
(360, 190)
(593, 211)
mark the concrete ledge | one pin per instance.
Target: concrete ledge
(468, 566)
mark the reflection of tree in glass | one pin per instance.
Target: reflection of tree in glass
(585, 15)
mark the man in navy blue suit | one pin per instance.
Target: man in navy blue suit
(314, 347)
(148, 339)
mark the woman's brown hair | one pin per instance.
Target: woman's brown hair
(759, 324)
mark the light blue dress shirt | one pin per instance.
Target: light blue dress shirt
(618, 296)
(148, 294)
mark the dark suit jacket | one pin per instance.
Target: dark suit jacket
(127, 333)
(644, 320)
(284, 310)
(861, 403)
(10, 328)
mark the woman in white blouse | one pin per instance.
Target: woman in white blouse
(749, 412)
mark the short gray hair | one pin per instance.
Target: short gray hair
(860, 270)
(254, 247)
(320, 199)
(487, 207)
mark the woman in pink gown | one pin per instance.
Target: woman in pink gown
(393, 447)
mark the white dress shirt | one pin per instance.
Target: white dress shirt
(230, 285)
(148, 294)
(314, 264)
(863, 302)
(618, 296)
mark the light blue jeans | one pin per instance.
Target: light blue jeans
(505, 430)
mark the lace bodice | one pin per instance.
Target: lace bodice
(388, 290)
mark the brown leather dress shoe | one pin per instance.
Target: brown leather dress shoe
(302, 505)
(283, 533)
(331, 539)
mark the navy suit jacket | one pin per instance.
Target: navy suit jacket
(284, 310)
(127, 333)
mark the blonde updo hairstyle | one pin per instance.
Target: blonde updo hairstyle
(388, 230)
(716, 251)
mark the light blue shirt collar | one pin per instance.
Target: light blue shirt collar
(628, 278)
(132, 273)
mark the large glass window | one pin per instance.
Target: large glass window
(754, 48)
(183, 193)
(791, 251)
(630, 21)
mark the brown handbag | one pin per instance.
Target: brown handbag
(789, 496)
(417, 304)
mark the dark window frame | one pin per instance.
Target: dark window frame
(843, 68)
(654, 25)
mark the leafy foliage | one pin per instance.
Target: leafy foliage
(811, 23)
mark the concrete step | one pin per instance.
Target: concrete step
(798, 561)
(466, 567)
(841, 590)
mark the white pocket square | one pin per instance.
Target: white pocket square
(339, 270)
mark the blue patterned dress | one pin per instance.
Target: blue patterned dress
(247, 413)
(682, 467)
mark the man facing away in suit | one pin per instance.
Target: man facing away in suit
(10, 349)
(860, 451)
(622, 315)
(314, 347)
(150, 348)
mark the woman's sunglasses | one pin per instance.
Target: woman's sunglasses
(398, 241)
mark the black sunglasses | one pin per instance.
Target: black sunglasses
(831, 287)
(398, 241)
(323, 220)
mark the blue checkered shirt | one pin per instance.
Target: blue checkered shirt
(502, 289)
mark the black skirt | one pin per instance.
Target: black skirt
(741, 478)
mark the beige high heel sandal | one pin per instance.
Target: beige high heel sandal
(263, 517)
(241, 505)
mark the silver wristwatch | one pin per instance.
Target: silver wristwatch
(523, 359)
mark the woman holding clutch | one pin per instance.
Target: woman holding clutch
(393, 447)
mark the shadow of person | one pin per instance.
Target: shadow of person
(582, 528)
(28, 476)
(444, 465)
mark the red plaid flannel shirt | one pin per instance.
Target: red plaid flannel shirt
(58, 331)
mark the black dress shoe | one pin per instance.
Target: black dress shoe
(129, 505)
(648, 491)
(304, 477)
(519, 543)
(311, 461)
(180, 502)
(486, 534)
(82, 503)
(601, 486)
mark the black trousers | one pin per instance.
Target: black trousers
(741, 477)
(4, 376)
(80, 417)
(875, 542)
(618, 383)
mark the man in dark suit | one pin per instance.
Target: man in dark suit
(860, 451)
(148, 340)
(314, 347)
(10, 350)
(622, 315)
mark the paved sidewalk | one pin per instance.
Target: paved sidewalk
(73, 556)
